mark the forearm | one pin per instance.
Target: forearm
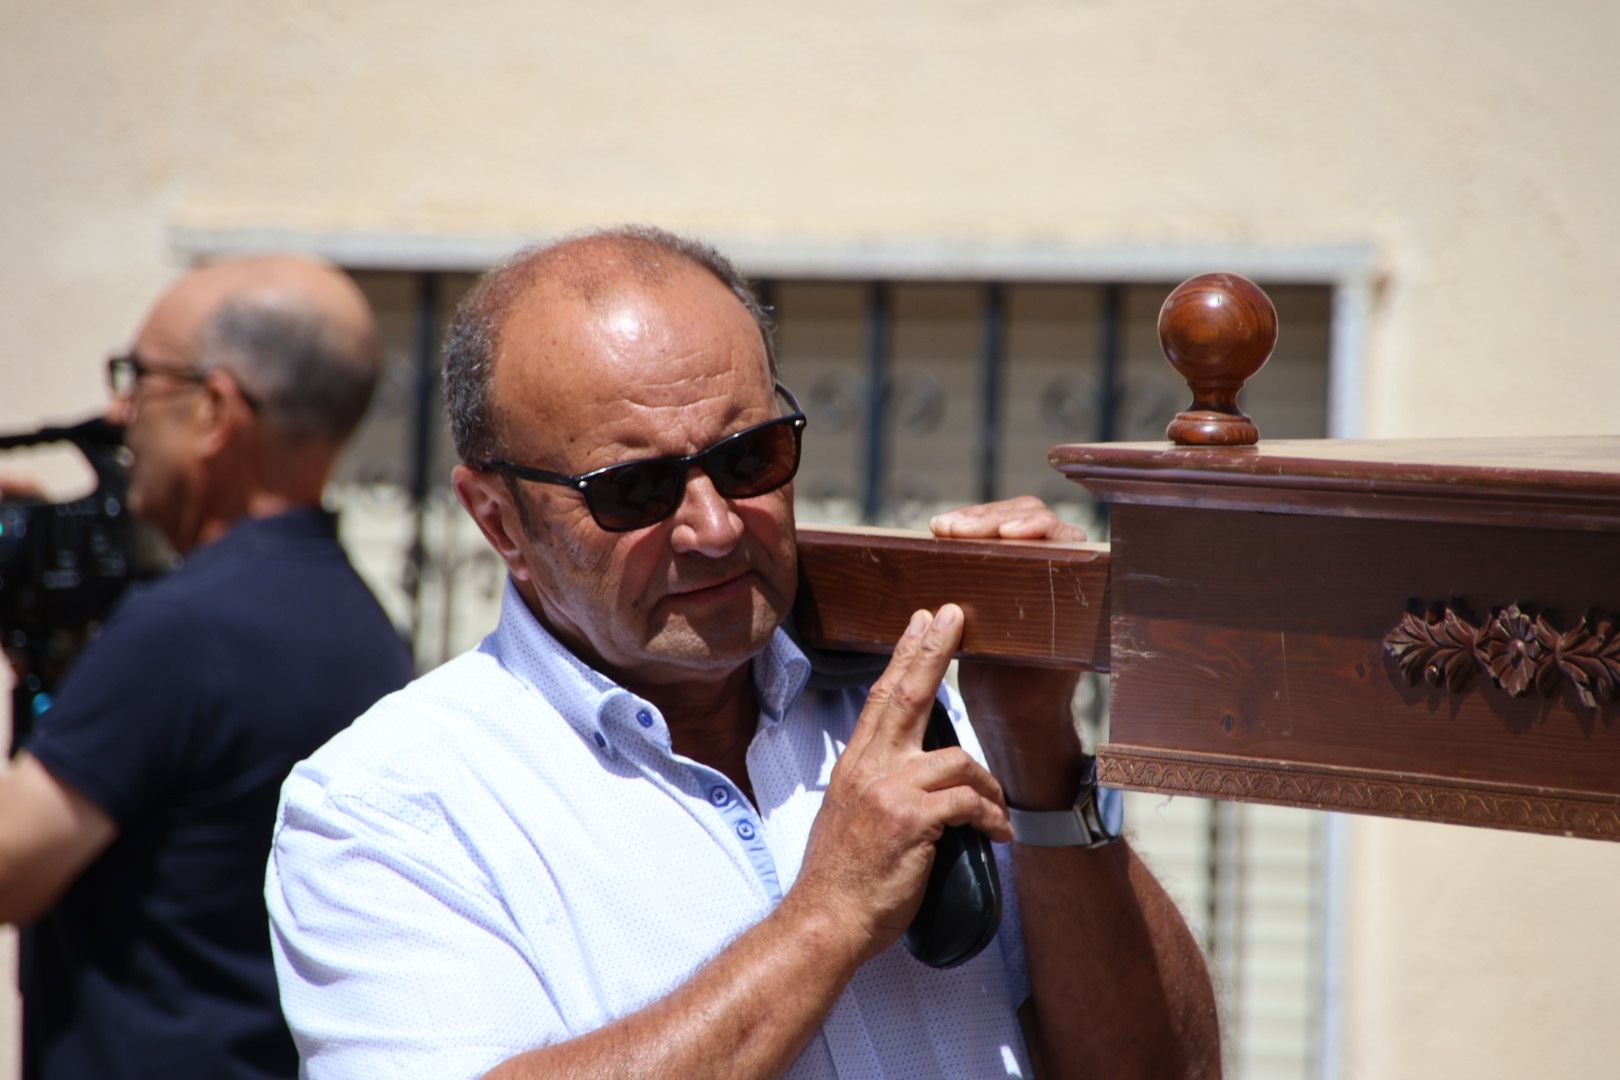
(1119, 984)
(747, 1013)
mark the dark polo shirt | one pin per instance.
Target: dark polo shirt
(180, 721)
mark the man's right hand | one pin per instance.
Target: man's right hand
(888, 801)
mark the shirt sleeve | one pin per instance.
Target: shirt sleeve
(120, 729)
(392, 956)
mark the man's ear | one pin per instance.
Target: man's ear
(223, 411)
(488, 500)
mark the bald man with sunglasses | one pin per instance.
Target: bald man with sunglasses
(632, 834)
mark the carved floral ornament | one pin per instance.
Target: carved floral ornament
(1519, 649)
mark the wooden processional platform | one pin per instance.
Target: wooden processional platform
(1416, 628)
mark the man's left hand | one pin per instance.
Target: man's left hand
(1022, 518)
(1024, 716)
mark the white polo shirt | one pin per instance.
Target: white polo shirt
(507, 854)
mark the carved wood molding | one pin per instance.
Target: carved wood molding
(1427, 801)
(1518, 648)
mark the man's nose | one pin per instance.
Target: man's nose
(704, 522)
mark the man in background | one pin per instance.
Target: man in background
(134, 827)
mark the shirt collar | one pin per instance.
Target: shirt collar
(599, 709)
(780, 674)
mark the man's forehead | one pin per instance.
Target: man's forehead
(620, 326)
(569, 362)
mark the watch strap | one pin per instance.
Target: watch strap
(1081, 825)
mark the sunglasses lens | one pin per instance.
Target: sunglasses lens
(635, 494)
(755, 462)
(641, 493)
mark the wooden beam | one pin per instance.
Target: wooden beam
(1041, 604)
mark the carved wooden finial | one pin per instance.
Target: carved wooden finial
(1217, 330)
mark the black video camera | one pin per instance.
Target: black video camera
(61, 567)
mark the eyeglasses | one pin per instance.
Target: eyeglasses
(635, 494)
(124, 374)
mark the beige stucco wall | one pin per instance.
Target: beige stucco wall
(1473, 145)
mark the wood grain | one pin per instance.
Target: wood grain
(1042, 604)
(1217, 330)
(1246, 610)
(1558, 482)
(1256, 642)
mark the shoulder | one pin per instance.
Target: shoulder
(151, 618)
(121, 727)
(284, 598)
(179, 598)
(416, 751)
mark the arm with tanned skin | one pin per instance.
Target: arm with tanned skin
(1119, 985)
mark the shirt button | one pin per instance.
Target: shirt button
(601, 740)
(745, 830)
(644, 718)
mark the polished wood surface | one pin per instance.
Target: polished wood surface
(1042, 604)
(1251, 660)
(1423, 628)
(1568, 481)
(1255, 655)
(1216, 330)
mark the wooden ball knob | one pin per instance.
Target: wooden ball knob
(1217, 330)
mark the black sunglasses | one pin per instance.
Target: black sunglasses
(125, 372)
(635, 494)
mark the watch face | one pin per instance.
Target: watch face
(1111, 810)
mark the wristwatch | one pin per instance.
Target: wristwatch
(1082, 825)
